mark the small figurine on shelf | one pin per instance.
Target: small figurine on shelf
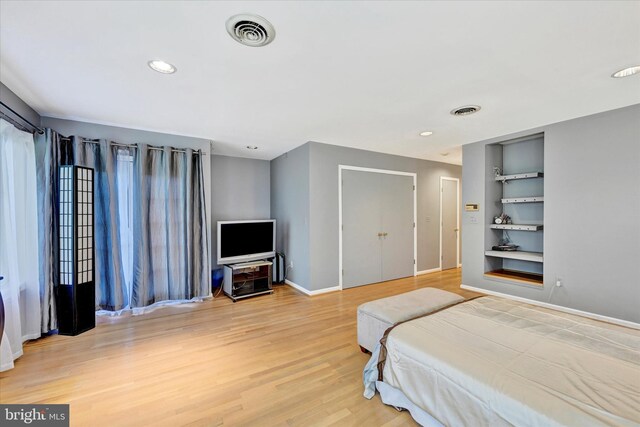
(503, 218)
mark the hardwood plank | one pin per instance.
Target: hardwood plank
(281, 359)
(517, 276)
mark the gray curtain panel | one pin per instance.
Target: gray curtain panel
(51, 153)
(111, 292)
(170, 253)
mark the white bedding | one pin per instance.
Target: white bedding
(497, 362)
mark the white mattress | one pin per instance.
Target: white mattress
(497, 362)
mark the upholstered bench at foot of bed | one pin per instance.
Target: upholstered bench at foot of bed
(377, 316)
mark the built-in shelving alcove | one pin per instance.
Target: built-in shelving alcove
(515, 187)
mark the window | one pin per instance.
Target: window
(124, 173)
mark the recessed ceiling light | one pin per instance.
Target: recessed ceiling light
(162, 67)
(426, 133)
(465, 110)
(252, 147)
(626, 72)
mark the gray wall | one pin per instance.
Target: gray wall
(131, 136)
(290, 207)
(429, 174)
(307, 182)
(21, 107)
(324, 162)
(591, 211)
(240, 190)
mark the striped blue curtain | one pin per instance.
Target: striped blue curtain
(170, 249)
(101, 156)
(170, 253)
(51, 153)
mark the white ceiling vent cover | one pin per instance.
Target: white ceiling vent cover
(465, 110)
(250, 30)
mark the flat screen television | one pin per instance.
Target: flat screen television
(240, 241)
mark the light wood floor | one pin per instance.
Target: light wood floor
(281, 359)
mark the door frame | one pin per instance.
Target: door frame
(415, 212)
(457, 181)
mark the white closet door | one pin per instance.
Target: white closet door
(377, 235)
(361, 219)
(449, 224)
(397, 224)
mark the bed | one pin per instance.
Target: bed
(497, 362)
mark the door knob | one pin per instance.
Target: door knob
(385, 234)
(380, 234)
(456, 229)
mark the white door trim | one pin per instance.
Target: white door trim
(446, 178)
(415, 212)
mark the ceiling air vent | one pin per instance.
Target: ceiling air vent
(466, 110)
(251, 30)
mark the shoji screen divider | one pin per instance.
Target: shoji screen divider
(76, 287)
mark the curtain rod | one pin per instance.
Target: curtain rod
(93, 141)
(40, 131)
(16, 123)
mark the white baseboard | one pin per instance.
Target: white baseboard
(433, 270)
(595, 316)
(296, 286)
(308, 292)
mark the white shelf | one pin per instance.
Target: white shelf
(518, 227)
(519, 255)
(249, 264)
(526, 175)
(531, 199)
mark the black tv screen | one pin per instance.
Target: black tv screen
(239, 241)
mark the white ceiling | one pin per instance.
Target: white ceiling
(369, 75)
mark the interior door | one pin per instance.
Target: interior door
(361, 220)
(397, 226)
(449, 223)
